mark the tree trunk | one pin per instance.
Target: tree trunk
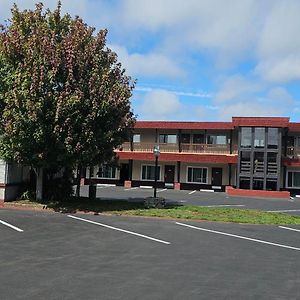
(39, 183)
(79, 168)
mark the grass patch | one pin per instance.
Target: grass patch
(116, 207)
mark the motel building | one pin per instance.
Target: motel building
(249, 156)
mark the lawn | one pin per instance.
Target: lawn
(116, 207)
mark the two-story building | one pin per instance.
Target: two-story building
(249, 154)
(258, 156)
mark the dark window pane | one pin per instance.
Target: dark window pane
(271, 185)
(190, 170)
(290, 179)
(244, 183)
(258, 184)
(198, 139)
(246, 134)
(185, 138)
(272, 138)
(163, 138)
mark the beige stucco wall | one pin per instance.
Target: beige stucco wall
(137, 166)
(147, 135)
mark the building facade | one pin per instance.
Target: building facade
(248, 154)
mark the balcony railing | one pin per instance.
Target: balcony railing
(206, 148)
(185, 148)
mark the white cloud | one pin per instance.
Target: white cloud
(235, 86)
(281, 29)
(282, 69)
(149, 65)
(160, 105)
(277, 102)
(176, 92)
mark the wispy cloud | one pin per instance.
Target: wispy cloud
(176, 92)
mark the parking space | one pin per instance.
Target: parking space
(83, 256)
(186, 197)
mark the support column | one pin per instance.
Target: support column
(230, 145)
(229, 174)
(179, 140)
(177, 184)
(279, 158)
(238, 169)
(265, 159)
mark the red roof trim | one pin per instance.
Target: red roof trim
(196, 158)
(261, 121)
(183, 125)
(236, 122)
(294, 127)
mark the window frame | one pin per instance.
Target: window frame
(150, 165)
(106, 165)
(287, 179)
(193, 167)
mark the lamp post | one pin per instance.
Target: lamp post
(156, 153)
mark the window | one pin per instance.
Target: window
(217, 139)
(258, 184)
(168, 138)
(259, 137)
(272, 163)
(293, 179)
(272, 138)
(244, 183)
(148, 172)
(106, 171)
(185, 138)
(245, 162)
(258, 162)
(246, 134)
(271, 185)
(197, 175)
(136, 138)
(198, 139)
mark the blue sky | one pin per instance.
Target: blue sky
(200, 60)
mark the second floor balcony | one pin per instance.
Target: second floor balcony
(183, 148)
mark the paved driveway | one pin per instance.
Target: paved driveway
(60, 256)
(291, 206)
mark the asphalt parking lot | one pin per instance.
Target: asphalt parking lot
(47, 255)
(185, 197)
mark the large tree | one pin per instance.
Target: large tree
(64, 97)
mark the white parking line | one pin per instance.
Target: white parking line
(239, 236)
(119, 229)
(288, 228)
(129, 189)
(223, 205)
(192, 192)
(161, 190)
(283, 210)
(11, 226)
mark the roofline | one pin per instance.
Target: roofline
(280, 122)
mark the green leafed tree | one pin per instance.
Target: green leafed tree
(64, 97)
